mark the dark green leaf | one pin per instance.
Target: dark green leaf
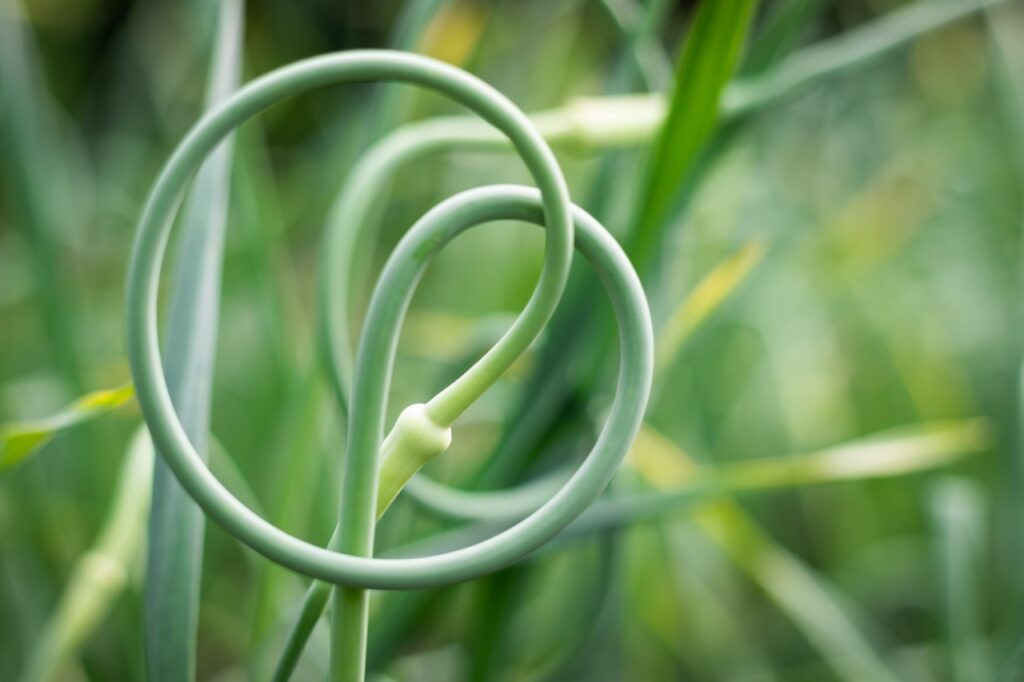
(708, 61)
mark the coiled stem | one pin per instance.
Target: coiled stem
(423, 430)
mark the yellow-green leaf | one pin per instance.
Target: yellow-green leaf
(20, 440)
(894, 452)
(709, 294)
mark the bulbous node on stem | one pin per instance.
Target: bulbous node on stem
(414, 440)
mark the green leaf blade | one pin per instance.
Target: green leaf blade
(706, 65)
(21, 440)
(174, 565)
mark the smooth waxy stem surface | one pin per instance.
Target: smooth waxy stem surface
(423, 430)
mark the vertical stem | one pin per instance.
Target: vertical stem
(351, 604)
(348, 644)
(357, 518)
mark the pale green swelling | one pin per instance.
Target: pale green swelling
(377, 347)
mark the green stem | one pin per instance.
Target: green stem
(351, 568)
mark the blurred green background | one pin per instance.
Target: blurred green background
(839, 262)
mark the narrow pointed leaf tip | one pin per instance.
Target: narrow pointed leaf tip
(23, 439)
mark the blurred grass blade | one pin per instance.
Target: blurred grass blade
(815, 607)
(708, 60)
(890, 453)
(957, 507)
(102, 572)
(644, 59)
(20, 440)
(1012, 667)
(849, 50)
(709, 294)
(1003, 26)
(37, 169)
(226, 469)
(176, 525)
(393, 99)
(678, 481)
(779, 33)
